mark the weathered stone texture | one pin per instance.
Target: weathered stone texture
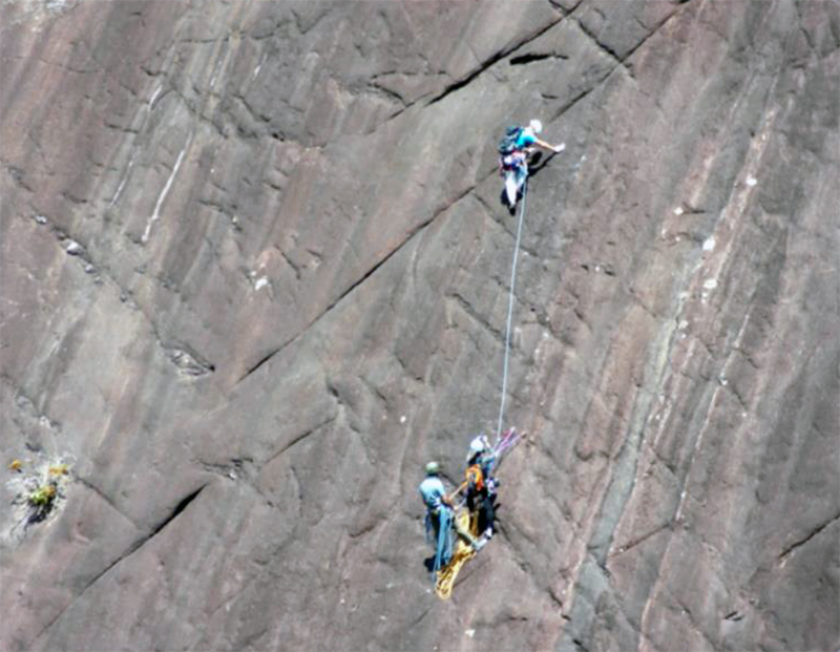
(255, 273)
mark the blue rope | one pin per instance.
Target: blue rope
(430, 530)
(444, 547)
(510, 311)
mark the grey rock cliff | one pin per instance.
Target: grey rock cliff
(255, 273)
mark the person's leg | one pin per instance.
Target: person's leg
(511, 187)
(489, 510)
(470, 498)
(466, 537)
(521, 178)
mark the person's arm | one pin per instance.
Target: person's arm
(548, 147)
(451, 497)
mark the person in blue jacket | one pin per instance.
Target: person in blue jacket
(438, 514)
(440, 517)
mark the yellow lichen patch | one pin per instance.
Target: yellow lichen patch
(16, 465)
(59, 469)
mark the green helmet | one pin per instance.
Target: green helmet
(432, 468)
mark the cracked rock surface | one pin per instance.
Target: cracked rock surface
(255, 274)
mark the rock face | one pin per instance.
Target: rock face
(255, 273)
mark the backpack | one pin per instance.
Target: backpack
(507, 145)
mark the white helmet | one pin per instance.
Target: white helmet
(535, 126)
(477, 446)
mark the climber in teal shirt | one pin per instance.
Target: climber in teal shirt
(514, 149)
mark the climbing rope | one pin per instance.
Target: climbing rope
(447, 573)
(510, 312)
(444, 542)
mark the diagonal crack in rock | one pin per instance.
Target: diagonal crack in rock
(134, 547)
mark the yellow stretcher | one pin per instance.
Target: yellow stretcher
(463, 553)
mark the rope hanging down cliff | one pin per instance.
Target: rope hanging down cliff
(514, 151)
(473, 517)
(510, 313)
